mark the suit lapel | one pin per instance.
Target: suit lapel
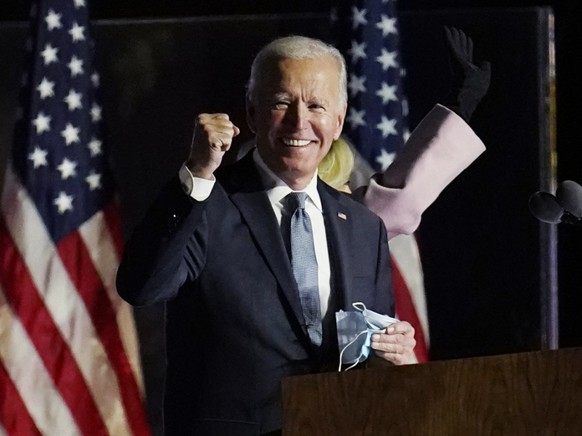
(248, 195)
(338, 227)
(256, 211)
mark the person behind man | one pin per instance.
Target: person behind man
(440, 147)
(215, 245)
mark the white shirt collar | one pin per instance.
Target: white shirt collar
(277, 189)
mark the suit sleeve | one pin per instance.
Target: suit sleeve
(166, 248)
(438, 150)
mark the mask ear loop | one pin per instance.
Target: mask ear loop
(339, 368)
(358, 305)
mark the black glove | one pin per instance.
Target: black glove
(470, 82)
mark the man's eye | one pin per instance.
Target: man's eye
(317, 107)
(281, 105)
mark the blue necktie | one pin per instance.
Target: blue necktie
(304, 264)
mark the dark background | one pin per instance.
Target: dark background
(569, 48)
(500, 314)
(569, 90)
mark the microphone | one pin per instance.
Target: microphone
(565, 206)
(569, 196)
(544, 206)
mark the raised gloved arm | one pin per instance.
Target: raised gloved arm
(470, 82)
(439, 148)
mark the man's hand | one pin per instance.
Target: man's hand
(470, 81)
(396, 345)
(212, 138)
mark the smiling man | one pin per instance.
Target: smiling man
(297, 112)
(246, 306)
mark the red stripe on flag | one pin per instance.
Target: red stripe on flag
(13, 413)
(81, 269)
(406, 311)
(53, 350)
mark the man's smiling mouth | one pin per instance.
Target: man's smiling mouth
(295, 142)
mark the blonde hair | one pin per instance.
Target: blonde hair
(337, 165)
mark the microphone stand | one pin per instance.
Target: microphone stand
(549, 324)
(549, 293)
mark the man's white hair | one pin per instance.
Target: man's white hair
(296, 47)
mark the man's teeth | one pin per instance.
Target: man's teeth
(296, 142)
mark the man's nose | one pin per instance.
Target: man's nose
(296, 116)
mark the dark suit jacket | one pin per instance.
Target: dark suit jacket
(234, 321)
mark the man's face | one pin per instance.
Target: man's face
(296, 114)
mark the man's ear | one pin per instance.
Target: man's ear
(250, 111)
(340, 122)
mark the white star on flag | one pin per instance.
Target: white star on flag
(71, 134)
(38, 157)
(358, 51)
(49, 54)
(387, 25)
(387, 59)
(358, 17)
(388, 127)
(63, 202)
(76, 66)
(95, 112)
(94, 147)
(95, 79)
(385, 159)
(356, 118)
(46, 88)
(42, 123)
(356, 84)
(77, 32)
(94, 181)
(73, 100)
(387, 93)
(67, 169)
(53, 20)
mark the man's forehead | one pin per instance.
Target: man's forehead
(323, 68)
(276, 65)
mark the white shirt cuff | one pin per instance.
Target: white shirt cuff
(196, 187)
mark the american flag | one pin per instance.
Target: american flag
(366, 31)
(68, 347)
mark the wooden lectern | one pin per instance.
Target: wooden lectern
(533, 393)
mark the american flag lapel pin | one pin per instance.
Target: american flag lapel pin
(342, 216)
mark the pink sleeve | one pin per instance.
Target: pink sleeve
(438, 150)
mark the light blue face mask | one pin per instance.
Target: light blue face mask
(354, 333)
